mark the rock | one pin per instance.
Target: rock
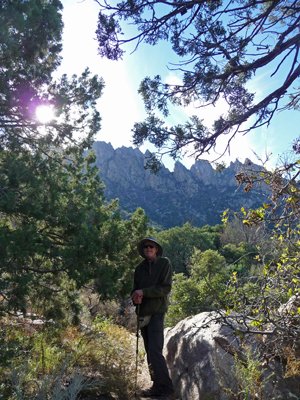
(287, 316)
(290, 307)
(198, 195)
(203, 171)
(202, 353)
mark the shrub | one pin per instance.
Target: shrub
(56, 364)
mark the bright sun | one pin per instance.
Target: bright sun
(44, 113)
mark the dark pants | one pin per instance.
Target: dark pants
(153, 335)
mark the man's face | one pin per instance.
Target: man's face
(150, 249)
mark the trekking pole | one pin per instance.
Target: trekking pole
(137, 346)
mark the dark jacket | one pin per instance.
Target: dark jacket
(155, 279)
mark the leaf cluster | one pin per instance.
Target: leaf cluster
(201, 290)
(179, 243)
(220, 48)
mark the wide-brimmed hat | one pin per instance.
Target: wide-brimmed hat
(152, 239)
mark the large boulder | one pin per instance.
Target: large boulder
(202, 354)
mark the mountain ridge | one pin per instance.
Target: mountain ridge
(198, 195)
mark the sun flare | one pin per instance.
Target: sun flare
(44, 114)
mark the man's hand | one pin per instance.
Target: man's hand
(137, 296)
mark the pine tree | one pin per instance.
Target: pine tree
(56, 231)
(219, 47)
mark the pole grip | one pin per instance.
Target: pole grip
(137, 345)
(138, 319)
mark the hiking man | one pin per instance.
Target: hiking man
(152, 284)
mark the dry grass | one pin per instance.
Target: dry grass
(292, 364)
(122, 313)
(103, 360)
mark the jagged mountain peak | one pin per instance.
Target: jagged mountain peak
(197, 195)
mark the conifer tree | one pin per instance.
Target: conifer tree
(56, 233)
(220, 47)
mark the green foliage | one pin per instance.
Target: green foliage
(207, 263)
(242, 253)
(186, 295)
(50, 363)
(50, 387)
(202, 272)
(55, 228)
(214, 233)
(31, 50)
(116, 352)
(134, 229)
(248, 378)
(202, 290)
(269, 295)
(57, 232)
(178, 243)
(269, 299)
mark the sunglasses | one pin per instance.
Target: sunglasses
(148, 245)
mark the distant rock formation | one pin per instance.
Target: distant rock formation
(199, 195)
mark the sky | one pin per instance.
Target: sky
(120, 105)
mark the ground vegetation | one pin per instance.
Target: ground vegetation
(51, 363)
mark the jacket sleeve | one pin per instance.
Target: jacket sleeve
(164, 284)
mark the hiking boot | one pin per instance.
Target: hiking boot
(151, 392)
(167, 396)
(158, 393)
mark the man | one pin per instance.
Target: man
(152, 284)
